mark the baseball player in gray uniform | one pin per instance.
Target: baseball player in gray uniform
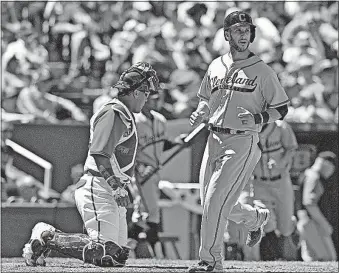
(271, 183)
(153, 140)
(238, 94)
(315, 229)
(101, 197)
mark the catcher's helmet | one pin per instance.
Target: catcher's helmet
(139, 76)
(237, 18)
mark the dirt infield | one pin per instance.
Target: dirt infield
(146, 265)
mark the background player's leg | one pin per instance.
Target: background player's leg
(312, 245)
(151, 193)
(150, 190)
(234, 241)
(284, 195)
(331, 252)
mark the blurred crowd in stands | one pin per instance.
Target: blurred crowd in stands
(59, 59)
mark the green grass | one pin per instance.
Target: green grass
(148, 265)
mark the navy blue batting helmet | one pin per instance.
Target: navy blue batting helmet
(238, 18)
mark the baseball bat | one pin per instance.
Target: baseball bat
(187, 140)
(143, 199)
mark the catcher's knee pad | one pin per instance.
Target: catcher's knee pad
(80, 246)
(152, 233)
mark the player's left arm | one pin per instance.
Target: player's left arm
(290, 144)
(76, 112)
(276, 101)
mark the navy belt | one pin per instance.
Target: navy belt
(226, 131)
(273, 178)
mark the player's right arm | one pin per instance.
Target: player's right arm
(310, 198)
(203, 110)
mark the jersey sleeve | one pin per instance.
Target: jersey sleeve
(204, 92)
(273, 92)
(108, 130)
(309, 190)
(288, 138)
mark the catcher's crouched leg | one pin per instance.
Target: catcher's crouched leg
(80, 246)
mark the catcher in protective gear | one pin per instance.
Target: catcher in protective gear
(100, 195)
(139, 76)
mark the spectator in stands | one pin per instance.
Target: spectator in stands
(67, 195)
(36, 100)
(267, 34)
(108, 93)
(156, 50)
(314, 228)
(311, 109)
(26, 49)
(326, 71)
(328, 30)
(183, 85)
(219, 44)
(8, 187)
(305, 78)
(191, 14)
(10, 117)
(303, 68)
(306, 21)
(11, 86)
(315, 102)
(88, 34)
(19, 186)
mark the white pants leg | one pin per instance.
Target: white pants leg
(103, 219)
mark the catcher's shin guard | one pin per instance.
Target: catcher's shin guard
(80, 246)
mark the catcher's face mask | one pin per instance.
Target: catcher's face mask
(140, 76)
